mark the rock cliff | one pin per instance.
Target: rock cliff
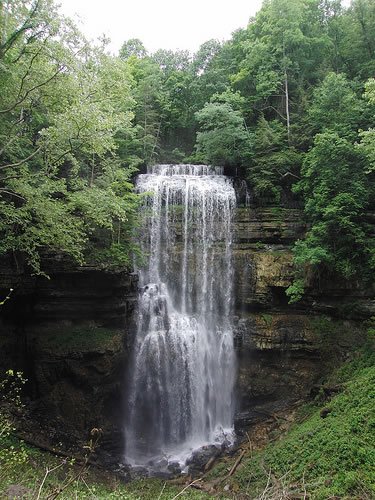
(283, 350)
(70, 334)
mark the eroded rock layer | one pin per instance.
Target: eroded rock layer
(70, 334)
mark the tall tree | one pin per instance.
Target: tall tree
(133, 47)
(60, 108)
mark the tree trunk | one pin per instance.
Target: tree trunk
(286, 89)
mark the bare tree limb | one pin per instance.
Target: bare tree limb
(236, 463)
(48, 472)
(27, 24)
(8, 177)
(186, 487)
(21, 162)
(287, 174)
(28, 92)
(11, 193)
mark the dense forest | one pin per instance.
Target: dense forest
(286, 104)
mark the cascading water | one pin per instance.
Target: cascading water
(181, 395)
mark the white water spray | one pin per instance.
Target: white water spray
(181, 395)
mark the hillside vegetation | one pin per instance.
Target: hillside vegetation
(328, 452)
(287, 104)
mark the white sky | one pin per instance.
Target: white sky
(161, 24)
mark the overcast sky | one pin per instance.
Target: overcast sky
(166, 24)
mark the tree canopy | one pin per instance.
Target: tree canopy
(288, 103)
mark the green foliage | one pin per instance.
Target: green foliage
(223, 134)
(62, 107)
(132, 47)
(288, 103)
(335, 107)
(295, 291)
(367, 137)
(335, 190)
(270, 160)
(338, 448)
(267, 318)
(322, 457)
(12, 453)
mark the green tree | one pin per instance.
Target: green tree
(133, 47)
(284, 50)
(358, 43)
(272, 166)
(61, 106)
(336, 107)
(367, 143)
(222, 138)
(335, 190)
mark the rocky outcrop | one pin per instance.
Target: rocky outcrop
(264, 269)
(69, 335)
(66, 292)
(283, 350)
(268, 225)
(281, 356)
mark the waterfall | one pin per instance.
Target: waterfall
(181, 394)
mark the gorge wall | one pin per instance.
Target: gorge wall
(283, 350)
(70, 334)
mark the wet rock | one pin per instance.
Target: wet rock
(200, 458)
(138, 472)
(159, 464)
(174, 468)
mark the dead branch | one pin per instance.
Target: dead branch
(186, 487)
(21, 162)
(288, 174)
(210, 463)
(236, 463)
(48, 472)
(90, 447)
(54, 451)
(161, 493)
(11, 193)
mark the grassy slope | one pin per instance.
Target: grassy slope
(91, 484)
(331, 457)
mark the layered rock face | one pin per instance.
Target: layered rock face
(71, 334)
(284, 350)
(68, 334)
(264, 268)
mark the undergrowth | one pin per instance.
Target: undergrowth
(91, 483)
(329, 452)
